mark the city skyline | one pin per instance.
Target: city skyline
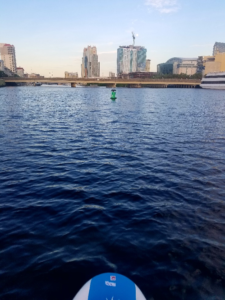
(52, 39)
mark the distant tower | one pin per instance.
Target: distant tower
(90, 66)
(133, 36)
(131, 58)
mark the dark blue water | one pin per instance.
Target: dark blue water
(135, 186)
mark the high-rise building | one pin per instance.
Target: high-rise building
(147, 68)
(131, 59)
(141, 59)
(90, 66)
(218, 48)
(8, 55)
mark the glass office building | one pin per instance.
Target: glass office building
(131, 59)
(218, 48)
(141, 59)
(165, 68)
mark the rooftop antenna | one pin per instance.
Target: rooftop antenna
(133, 36)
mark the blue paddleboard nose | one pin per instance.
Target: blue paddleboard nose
(110, 286)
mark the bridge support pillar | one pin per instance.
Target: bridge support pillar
(73, 85)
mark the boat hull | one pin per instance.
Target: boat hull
(214, 81)
(213, 87)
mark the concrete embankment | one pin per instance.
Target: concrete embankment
(2, 83)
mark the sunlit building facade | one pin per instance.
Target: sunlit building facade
(20, 71)
(214, 63)
(90, 66)
(71, 75)
(8, 55)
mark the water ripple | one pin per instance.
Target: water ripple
(134, 186)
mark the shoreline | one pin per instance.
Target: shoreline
(2, 83)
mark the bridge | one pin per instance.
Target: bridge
(109, 82)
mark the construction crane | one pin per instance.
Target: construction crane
(133, 36)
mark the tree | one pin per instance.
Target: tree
(2, 74)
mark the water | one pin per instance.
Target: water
(135, 186)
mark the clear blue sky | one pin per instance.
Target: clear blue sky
(49, 35)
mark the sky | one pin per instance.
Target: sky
(49, 35)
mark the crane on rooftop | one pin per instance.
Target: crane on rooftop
(133, 36)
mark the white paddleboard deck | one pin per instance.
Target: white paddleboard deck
(109, 286)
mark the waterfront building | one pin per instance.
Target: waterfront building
(131, 59)
(187, 66)
(165, 68)
(20, 71)
(71, 75)
(200, 66)
(178, 65)
(218, 48)
(90, 66)
(2, 68)
(147, 68)
(8, 55)
(34, 75)
(214, 63)
(112, 75)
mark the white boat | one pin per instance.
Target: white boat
(80, 85)
(214, 81)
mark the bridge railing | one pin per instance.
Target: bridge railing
(114, 80)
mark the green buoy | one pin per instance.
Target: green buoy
(113, 96)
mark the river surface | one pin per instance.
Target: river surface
(134, 186)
